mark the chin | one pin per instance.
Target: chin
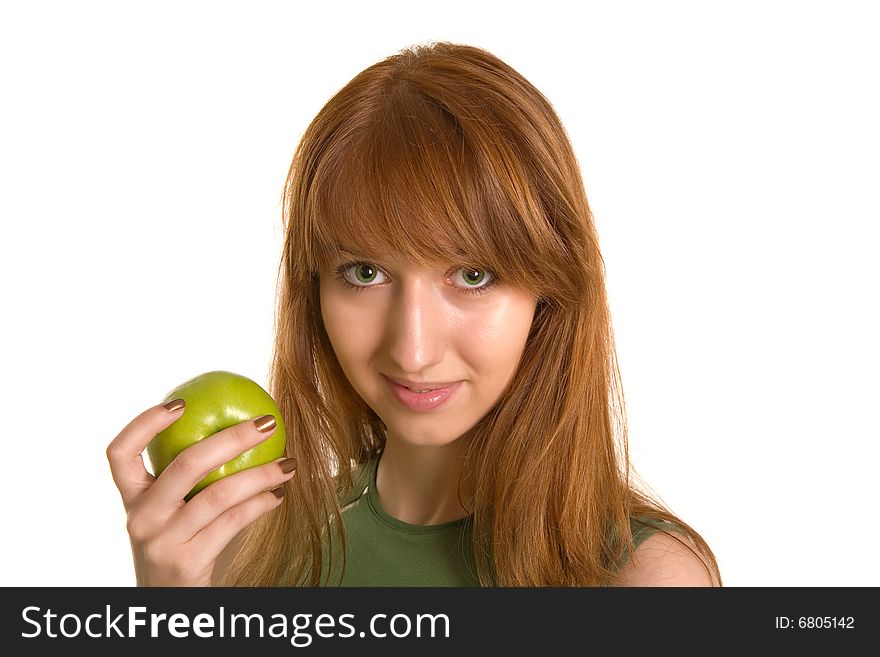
(423, 431)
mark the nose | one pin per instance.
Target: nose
(417, 326)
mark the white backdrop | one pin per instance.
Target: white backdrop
(730, 154)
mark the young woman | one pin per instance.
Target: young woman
(438, 239)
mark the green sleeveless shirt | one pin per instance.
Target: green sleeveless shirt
(384, 551)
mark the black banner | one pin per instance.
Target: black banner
(433, 620)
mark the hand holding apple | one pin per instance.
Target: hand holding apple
(176, 542)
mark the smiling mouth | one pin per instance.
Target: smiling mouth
(423, 387)
(431, 400)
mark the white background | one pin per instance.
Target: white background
(730, 155)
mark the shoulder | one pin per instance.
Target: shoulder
(664, 560)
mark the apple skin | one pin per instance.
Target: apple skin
(215, 401)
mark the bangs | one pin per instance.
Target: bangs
(411, 183)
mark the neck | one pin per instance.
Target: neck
(418, 484)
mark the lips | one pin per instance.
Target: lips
(422, 389)
(422, 401)
(421, 386)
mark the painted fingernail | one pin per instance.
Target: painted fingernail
(278, 492)
(174, 404)
(265, 423)
(287, 465)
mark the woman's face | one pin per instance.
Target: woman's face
(393, 320)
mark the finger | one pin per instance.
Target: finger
(212, 539)
(125, 451)
(222, 495)
(192, 464)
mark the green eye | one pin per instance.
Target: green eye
(364, 274)
(359, 269)
(469, 276)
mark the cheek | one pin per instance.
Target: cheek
(494, 341)
(348, 328)
(344, 330)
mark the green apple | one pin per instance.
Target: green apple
(215, 401)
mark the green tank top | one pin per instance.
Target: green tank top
(384, 551)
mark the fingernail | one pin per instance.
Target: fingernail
(287, 465)
(265, 423)
(174, 404)
(278, 492)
